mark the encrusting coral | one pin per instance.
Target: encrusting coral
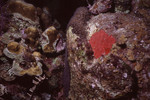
(50, 40)
(23, 8)
(14, 50)
(32, 37)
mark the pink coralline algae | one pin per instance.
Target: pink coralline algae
(101, 43)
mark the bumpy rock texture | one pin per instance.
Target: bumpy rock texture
(124, 71)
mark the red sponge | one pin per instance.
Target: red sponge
(101, 43)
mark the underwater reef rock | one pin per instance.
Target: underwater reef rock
(23, 8)
(24, 38)
(28, 53)
(122, 6)
(107, 48)
(5, 65)
(79, 22)
(19, 22)
(117, 73)
(100, 6)
(146, 3)
(2, 90)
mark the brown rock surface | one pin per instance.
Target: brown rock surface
(118, 74)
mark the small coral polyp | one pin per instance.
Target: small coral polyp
(101, 43)
(49, 40)
(34, 69)
(14, 50)
(32, 37)
(15, 47)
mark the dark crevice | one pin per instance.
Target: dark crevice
(62, 10)
(122, 46)
(25, 81)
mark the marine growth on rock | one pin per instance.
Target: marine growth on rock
(64, 50)
(101, 43)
